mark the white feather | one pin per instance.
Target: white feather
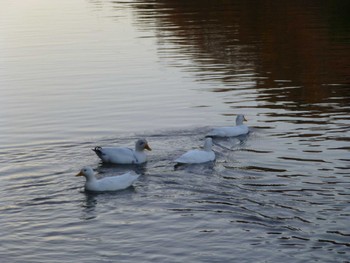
(198, 156)
(112, 183)
(231, 131)
(123, 155)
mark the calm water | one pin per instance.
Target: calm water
(76, 74)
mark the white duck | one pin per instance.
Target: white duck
(198, 156)
(237, 130)
(112, 183)
(123, 155)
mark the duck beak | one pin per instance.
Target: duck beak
(79, 174)
(147, 147)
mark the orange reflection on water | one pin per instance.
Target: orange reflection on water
(303, 44)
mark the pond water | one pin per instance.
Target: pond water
(77, 74)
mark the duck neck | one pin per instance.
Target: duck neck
(239, 121)
(91, 179)
(207, 145)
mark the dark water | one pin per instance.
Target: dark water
(76, 74)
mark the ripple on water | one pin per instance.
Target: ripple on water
(250, 196)
(280, 194)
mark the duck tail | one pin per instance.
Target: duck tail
(178, 165)
(98, 151)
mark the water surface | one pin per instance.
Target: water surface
(76, 74)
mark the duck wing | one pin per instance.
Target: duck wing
(196, 156)
(116, 155)
(228, 131)
(119, 182)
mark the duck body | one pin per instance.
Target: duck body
(123, 155)
(198, 156)
(120, 155)
(113, 183)
(231, 131)
(228, 131)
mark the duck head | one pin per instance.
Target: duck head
(87, 172)
(239, 119)
(141, 145)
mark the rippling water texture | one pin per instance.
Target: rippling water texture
(76, 74)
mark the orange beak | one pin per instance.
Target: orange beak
(147, 147)
(79, 174)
